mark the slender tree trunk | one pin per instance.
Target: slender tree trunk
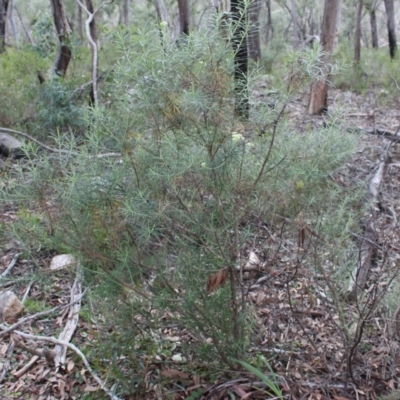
(80, 24)
(374, 28)
(63, 30)
(11, 19)
(127, 12)
(93, 34)
(254, 32)
(239, 43)
(3, 20)
(357, 45)
(28, 36)
(269, 29)
(391, 26)
(295, 19)
(319, 89)
(184, 16)
(161, 11)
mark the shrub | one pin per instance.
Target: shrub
(161, 225)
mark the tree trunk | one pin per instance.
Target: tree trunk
(80, 24)
(93, 34)
(254, 32)
(11, 19)
(374, 26)
(269, 29)
(295, 19)
(161, 11)
(239, 43)
(127, 12)
(319, 89)
(391, 28)
(183, 6)
(3, 20)
(63, 30)
(357, 45)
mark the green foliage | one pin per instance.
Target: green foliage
(158, 222)
(18, 83)
(58, 106)
(44, 35)
(375, 70)
(270, 380)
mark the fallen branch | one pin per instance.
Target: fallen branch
(6, 363)
(77, 351)
(11, 266)
(7, 330)
(26, 367)
(392, 136)
(370, 238)
(73, 319)
(52, 149)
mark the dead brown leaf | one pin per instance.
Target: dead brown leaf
(174, 373)
(216, 280)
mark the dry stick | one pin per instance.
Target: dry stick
(22, 321)
(26, 367)
(11, 266)
(26, 294)
(52, 149)
(73, 319)
(26, 136)
(77, 351)
(392, 136)
(368, 245)
(6, 364)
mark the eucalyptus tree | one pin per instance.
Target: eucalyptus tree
(63, 30)
(240, 48)
(319, 89)
(3, 19)
(391, 26)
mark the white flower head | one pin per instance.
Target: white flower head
(237, 137)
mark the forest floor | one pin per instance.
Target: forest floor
(299, 330)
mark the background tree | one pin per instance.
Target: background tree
(63, 31)
(357, 45)
(94, 46)
(239, 43)
(254, 31)
(183, 7)
(391, 27)
(127, 12)
(268, 28)
(296, 26)
(371, 6)
(319, 89)
(3, 20)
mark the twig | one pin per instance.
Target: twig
(46, 353)
(22, 321)
(77, 351)
(392, 136)
(73, 319)
(6, 364)
(11, 266)
(26, 367)
(52, 149)
(26, 136)
(26, 294)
